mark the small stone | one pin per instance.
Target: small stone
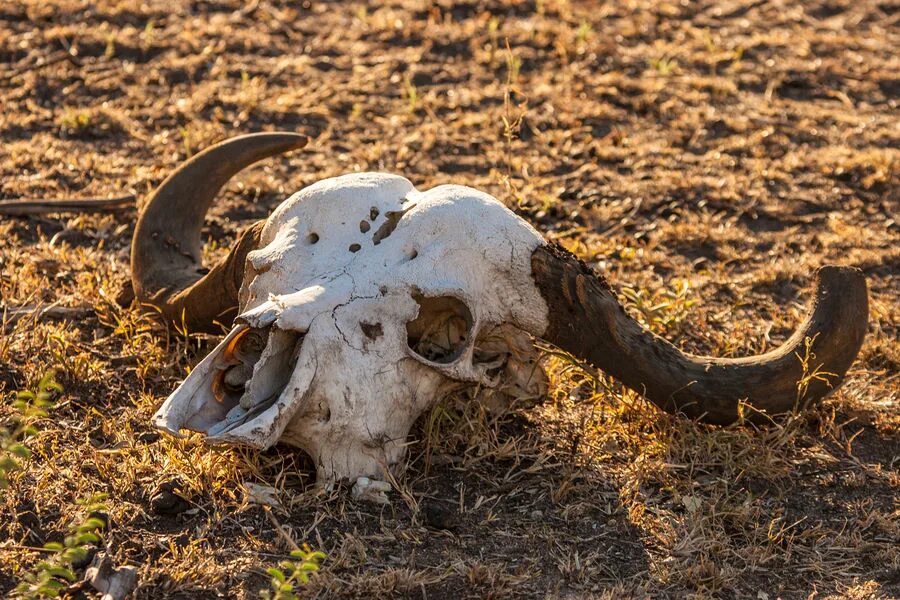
(167, 502)
(263, 495)
(371, 490)
(114, 582)
(125, 296)
(439, 515)
(148, 437)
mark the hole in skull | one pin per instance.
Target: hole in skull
(324, 413)
(312, 238)
(373, 213)
(387, 228)
(364, 226)
(412, 254)
(373, 331)
(439, 332)
(355, 247)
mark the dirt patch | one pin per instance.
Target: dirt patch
(707, 155)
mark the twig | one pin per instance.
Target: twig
(40, 207)
(245, 11)
(280, 530)
(71, 52)
(27, 548)
(39, 63)
(623, 221)
(14, 313)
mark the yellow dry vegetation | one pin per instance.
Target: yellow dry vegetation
(706, 155)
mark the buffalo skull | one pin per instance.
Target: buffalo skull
(361, 302)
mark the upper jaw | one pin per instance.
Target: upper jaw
(257, 417)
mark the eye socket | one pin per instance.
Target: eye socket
(373, 331)
(441, 329)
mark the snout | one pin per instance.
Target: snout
(244, 392)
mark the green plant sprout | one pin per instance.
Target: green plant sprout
(30, 406)
(53, 575)
(289, 574)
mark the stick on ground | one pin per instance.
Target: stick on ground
(41, 207)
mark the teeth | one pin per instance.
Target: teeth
(236, 377)
(235, 416)
(251, 373)
(237, 362)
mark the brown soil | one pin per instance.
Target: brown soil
(707, 154)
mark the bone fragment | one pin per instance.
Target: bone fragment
(371, 490)
(115, 583)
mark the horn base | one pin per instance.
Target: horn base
(166, 266)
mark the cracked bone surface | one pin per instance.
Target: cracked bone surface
(362, 302)
(366, 303)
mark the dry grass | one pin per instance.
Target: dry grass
(734, 146)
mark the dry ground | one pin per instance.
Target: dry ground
(708, 154)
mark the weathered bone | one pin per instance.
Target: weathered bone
(388, 318)
(365, 301)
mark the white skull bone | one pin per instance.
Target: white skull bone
(373, 301)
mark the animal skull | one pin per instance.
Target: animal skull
(366, 303)
(362, 302)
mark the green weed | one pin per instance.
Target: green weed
(52, 576)
(30, 406)
(292, 573)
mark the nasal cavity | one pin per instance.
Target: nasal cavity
(439, 332)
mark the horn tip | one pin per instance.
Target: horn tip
(297, 140)
(287, 140)
(844, 280)
(842, 296)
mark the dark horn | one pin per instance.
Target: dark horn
(166, 265)
(586, 320)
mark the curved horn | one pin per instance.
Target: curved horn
(587, 320)
(166, 265)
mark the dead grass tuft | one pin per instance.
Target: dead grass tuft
(706, 156)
